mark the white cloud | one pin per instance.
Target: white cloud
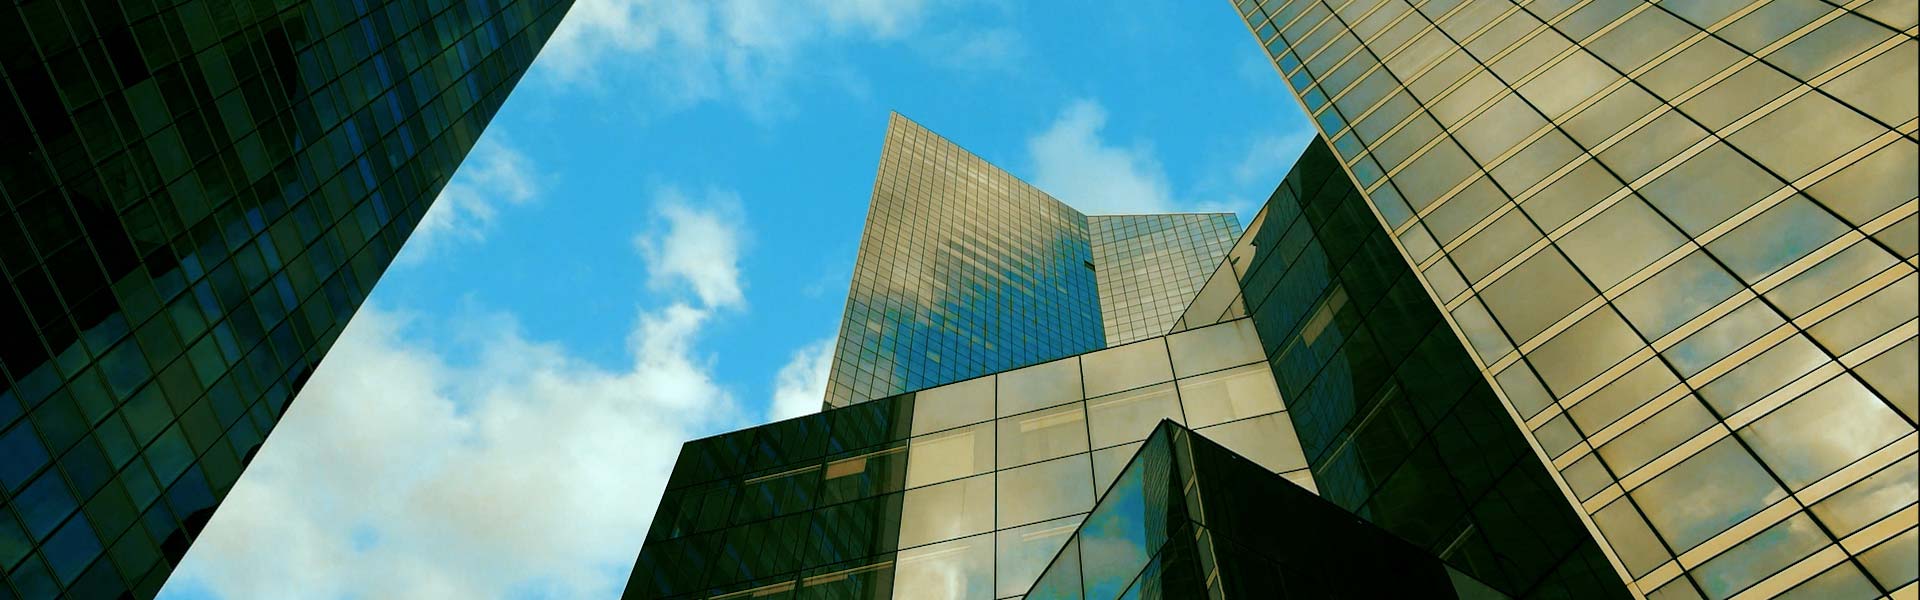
(494, 175)
(801, 386)
(525, 470)
(743, 50)
(699, 248)
(1073, 163)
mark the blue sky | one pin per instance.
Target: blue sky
(652, 242)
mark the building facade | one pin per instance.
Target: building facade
(965, 490)
(1148, 266)
(969, 490)
(1680, 242)
(1188, 518)
(963, 270)
(193, 201)
(966, 270)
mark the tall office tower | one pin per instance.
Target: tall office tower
(971, 489)
(1680, 240)
(965, 270)
(196, 198)
(1148, 266)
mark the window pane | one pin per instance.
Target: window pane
(1228, 395)
(1023, 552)
(949, 406)
(1108, 463)
(960, 569)
(1630, 537)
(1894, 562)
(1706, 494)
(1043, 434)
(946, 511)
(1130, 416)
(1267, 440)
(1828, 428)
(1214, 348)
(1676, 295)
(1868, 500)
(1126, 367)
(1658, 434)
(1760, 556)
(950, 454)
(1046, 490)
(1039, 386)
(1619, 242)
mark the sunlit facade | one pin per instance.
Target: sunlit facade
(966, 490)
(1148, 266)
(1680, 242)
(194, 199)
(966, 270)
(1310, 350)
(963, 270)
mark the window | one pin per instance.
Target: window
(1042, 434)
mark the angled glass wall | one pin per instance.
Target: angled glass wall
(1149, 266)
(194, 198)
(1188, 518)
(1680, 240)
(964, 270)
(1395, 421)
(960, 491)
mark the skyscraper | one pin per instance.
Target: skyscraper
(965, 270)
(1148, 266)
(971, 489)
(1680, 242)
(196, 198)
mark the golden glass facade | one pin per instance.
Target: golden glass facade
(1149, 266)
(1680, 240)
(963, 270)
(965, 490)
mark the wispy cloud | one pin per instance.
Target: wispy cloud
(525, 470)
(1073, 162)
(495, 175)
(801, 385)
(696, 247)
(748, 51)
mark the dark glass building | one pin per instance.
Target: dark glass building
(1393, 420)
(968, 490)
(194, 198)
(1679, 240)
(1188, 518)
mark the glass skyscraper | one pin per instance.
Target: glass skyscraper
(194, 198)
(1309, 352)
(1679, 240)
(1148, 267)
(966, 270)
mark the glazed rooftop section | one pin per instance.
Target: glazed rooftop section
(972, 485)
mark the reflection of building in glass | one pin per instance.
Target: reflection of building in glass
(1148, 267)
(196, 199)
(1680, 242)
(965, 270)
(1188, 518)
(969, 489)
